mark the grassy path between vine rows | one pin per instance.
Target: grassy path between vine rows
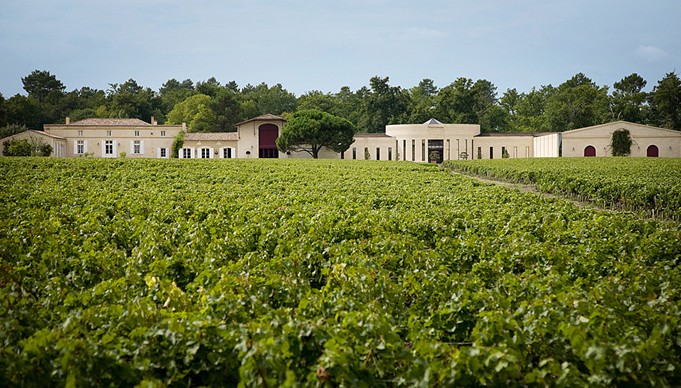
(525, 188)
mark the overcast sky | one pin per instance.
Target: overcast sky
(324, 45)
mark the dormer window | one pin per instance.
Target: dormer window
(137, 133)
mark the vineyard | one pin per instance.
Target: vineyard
(319, 272)
(648, 185)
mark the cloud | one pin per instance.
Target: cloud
(651, 53)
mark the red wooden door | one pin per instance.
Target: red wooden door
(652, 151)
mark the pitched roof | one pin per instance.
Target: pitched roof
(31, 131)
(208, 136)
(94, 122)
(621, 122)
(433, 122)
(265, 117)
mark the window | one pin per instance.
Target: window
(205, 153)
(390, 153)
(163, 133)
(108, 148)
(108, 133)
(378, 153)
(491, 152)
(80, 132)
(80, 147)
(227, 153)
(186, 153)
(137, 133)
(136, 147)
(354, 153)
(413, 150)
(423, 150)
(404, 150)
(163, 152)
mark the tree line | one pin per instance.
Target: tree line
(212, 106)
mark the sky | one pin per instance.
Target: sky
(327, 44)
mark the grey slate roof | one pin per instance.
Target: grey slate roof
(433, 122)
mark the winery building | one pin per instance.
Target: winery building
(431, 141)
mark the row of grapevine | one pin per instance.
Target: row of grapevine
(292, 272)
(636, 184)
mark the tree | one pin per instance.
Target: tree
(12, 129)
(531, 110)
(173, 92)
(310, 130)
(39, 84)
(196, 112)
(26, 111)
(456, 102)
(509, 102)
(577, 103)
(130, 100)
(351, 105)
(628, 99)
(665, 102)
(227, 110)
(26, 147)
(620, 143)
(315, 99)
(275, 100)
(422, 101)
(385, 104)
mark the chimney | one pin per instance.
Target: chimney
(153, 120)
(68, 120)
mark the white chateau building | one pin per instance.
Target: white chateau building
(431, 141)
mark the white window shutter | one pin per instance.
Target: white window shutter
(142, 147)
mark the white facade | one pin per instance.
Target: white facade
(547, 146)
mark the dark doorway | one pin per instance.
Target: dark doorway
(590, 151)
(435, 151)
(653, 151)
(267, 135)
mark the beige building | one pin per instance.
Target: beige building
(256, 137)
(647, 141)
(431, 141)
(112, 138)
(219, 145)
(57, 143)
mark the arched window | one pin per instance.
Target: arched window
(652, 151)
(590, 151)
